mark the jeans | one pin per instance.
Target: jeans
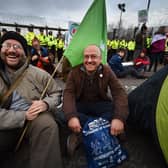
(88, 110)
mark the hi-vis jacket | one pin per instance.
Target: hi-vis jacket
(29, 37)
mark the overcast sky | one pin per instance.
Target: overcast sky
(62, 11)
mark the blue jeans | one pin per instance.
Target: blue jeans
(88, 110)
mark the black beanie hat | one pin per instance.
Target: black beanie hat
(15, 36)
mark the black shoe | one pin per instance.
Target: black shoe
(142, 77)
(73, 142)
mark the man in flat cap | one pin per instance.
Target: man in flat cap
(21, 86)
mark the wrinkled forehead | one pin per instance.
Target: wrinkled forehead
(12, 41)
(92, 49)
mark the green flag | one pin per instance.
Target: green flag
(92, 30)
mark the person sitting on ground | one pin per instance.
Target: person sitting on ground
(116, 65)
(141, 62)
(85, 95)
(39, 57)
(21, 87)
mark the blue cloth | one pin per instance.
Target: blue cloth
(19, 103)
(88, 110)
(116, 63)
(44, 52)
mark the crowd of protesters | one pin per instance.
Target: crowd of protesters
(143, 51)
(153, 49)
(44, 49)
(116, 65)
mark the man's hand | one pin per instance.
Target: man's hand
(117, 127)
(34, 57)
(74, 124)
(138, 63)
(37, 107)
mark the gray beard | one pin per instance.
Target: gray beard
(14, 68)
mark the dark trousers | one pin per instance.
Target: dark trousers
(154, 59)
(136, 53)
(129, 71)
(60, 53)
(41, 144)
(130, 55)
(141, 68)
(102, 109)
(8, 141)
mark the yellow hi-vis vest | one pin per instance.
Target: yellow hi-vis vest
(60, 44)
(148, 42)
(166, 45)
(112, 44)
(115, 44)
(42, 39)
(29, 37)
(131, 45)
(50, 41)
(123, 44)
(108, 43)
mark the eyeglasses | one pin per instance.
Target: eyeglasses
(90, 56)
(9, 45)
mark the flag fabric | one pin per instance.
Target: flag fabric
(92, 30)
(72, 29)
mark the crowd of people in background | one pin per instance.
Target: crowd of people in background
(84, 93)
(116, 65)
(145, 51)
(44, 49)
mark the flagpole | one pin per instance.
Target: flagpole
(119, 25)
(148, 5)
(122, 9)
(41, 97)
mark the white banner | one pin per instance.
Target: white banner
(72, 28)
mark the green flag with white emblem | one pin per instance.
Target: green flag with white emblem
(92, 30)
